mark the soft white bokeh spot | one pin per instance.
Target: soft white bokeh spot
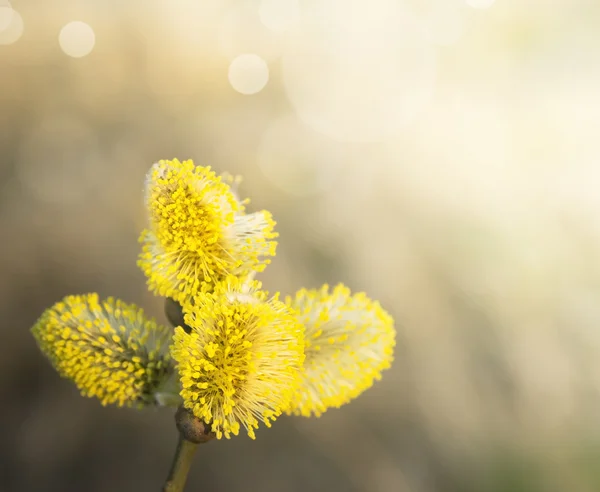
(6, 15)
(296, 159)
(279, 15)
(248, 73)
(77, 39)
(480, 4)
(358, 71)
(14, 28)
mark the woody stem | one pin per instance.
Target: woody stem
(180, 467)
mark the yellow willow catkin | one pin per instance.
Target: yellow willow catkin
(349, 340)
(241, 362)
(108, 349)
(199, 231)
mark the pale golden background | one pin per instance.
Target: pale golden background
(443, 158)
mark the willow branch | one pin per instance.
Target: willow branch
(192, 432)
(182, 462)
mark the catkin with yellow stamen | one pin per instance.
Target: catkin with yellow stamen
(349, 340)
(241, 361)
(109, 349)
(199, 231)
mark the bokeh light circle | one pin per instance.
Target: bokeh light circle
(77, 39)
(248, 73)
(6, 15)
(13, 29)
(358, 71)
(279, 15)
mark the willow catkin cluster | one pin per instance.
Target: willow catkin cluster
(237, 357)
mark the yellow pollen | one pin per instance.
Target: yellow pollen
(199, 231)
(350, 339)
(241, 362)
(105, 347)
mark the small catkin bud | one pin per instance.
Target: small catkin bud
(174, 313)
(192, 428)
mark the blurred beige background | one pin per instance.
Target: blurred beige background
(442, 156)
